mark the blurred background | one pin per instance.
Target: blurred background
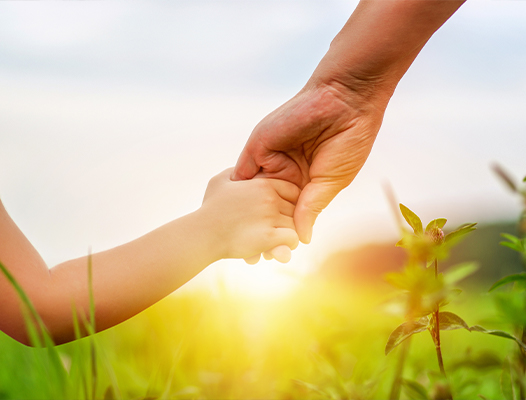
(114, 116)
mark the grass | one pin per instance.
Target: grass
(322, 341)
(325, 340)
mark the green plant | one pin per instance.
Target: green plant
(512, 305)
(426, 289)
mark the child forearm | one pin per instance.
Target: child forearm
(236, 220)
(126, 279)
(129, 278)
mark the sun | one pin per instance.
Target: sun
(266, 279)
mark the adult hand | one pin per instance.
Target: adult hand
(318, 140)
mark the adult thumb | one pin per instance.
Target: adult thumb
(314, 197)
(246, 167)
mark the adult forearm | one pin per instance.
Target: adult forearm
(379, 42)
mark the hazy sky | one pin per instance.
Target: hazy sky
(114, 115)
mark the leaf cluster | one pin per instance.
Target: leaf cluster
(448, 321)
(424, 288)
(431, 243)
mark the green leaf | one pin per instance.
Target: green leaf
(512, 246)
(450, 321)
(458, 272)
(412, 219)
(506, 335)
(514, 243)
(436, 223)
(404, 331)
(511, 238)
(461, 231)
(415, 390)
(508, 279)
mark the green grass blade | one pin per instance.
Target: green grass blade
(25, 299)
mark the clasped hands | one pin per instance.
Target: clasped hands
(318, 141)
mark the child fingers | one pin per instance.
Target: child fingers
(281, 253)
(284, 221)
(286, 208)
(286, 190)
(287, 237)
(253, 260)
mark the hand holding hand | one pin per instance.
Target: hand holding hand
(318, 140)
(253, 216)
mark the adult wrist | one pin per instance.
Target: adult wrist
(357, 86)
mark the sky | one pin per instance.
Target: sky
(114, 116)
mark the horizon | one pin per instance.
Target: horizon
(103, 118)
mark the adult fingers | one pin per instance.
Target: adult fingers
(246, 167)
(314, 197)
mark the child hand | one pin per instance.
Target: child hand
(250, 217)
(280, 253)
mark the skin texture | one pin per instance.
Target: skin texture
(320, 139)
(317, 142)
(236, 220)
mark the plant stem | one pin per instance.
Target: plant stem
(437, 337)
(439, 356)
(437, 330)
(397, 382)
(437, 344)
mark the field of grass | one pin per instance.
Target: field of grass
(324, 340)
